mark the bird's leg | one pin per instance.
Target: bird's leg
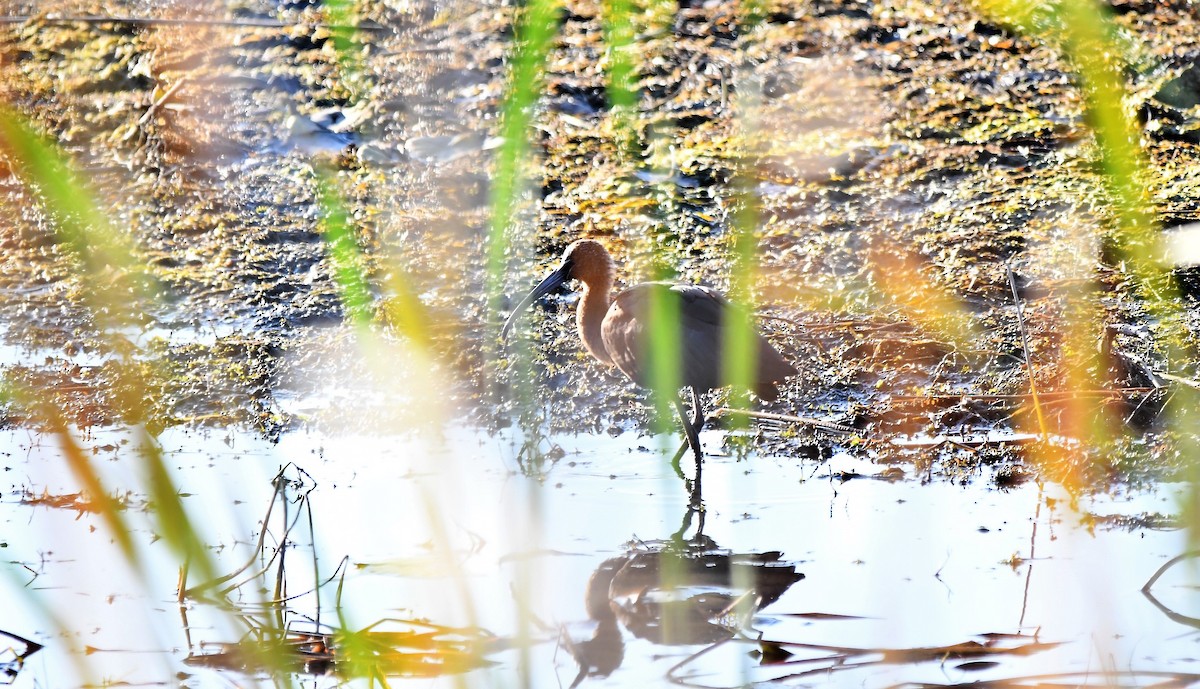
(697, 426)
(693, 440)
(692, 433)
(691, 428)
(677, 538)
(683, 448)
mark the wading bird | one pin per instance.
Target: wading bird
(617, 331)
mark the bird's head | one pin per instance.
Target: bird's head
(585, 260)
(588, 261)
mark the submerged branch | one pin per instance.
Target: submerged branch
(802, 420)
(1044, 396)
(1189, 382)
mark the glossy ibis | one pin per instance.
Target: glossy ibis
(616, 330)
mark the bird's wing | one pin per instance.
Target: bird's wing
(701, 311)
(702, 314)
(701, 305)
(624, 330)
(707, 306)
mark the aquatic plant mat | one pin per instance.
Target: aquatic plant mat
(882, 143)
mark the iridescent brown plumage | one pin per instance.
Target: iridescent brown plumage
(615, 330)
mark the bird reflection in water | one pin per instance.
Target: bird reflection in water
(673, 592)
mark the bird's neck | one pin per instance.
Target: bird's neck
(592, 308)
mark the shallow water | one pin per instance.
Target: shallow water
(895, 570)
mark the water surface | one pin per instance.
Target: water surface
(901, 580)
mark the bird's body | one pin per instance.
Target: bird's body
(703, 314)
(617, 330)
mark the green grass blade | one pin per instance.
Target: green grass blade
(176, 527)
(1086, 34)
(114, 276)
(621, 68)
(118, 285)
(663, 361)
(344, 253)
(536, 26)
(342, 17)
(618, 23)
(740, 347)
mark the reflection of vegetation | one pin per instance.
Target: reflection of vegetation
(789, 662)
(1148, 590)
(14, 655)
(284, 634)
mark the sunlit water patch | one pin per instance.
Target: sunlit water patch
(463, 570)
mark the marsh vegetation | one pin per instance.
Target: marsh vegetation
(260, 427)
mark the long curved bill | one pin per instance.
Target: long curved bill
(546, 286)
